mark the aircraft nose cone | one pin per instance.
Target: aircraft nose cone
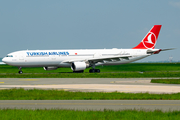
(4, 60)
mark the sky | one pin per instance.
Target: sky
(88, 24)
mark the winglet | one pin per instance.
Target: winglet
(150, 39)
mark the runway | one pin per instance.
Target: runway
(131, 85)
(148, 105)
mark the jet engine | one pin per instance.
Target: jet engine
(50, 68)
(78, 66)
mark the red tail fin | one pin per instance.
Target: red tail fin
(150, 39)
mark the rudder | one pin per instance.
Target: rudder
(150, 39)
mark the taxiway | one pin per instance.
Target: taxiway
(148, 105)
(132, 85)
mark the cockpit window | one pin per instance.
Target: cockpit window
(9, 56)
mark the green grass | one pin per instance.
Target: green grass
(13, 114)
(92, 75)
(166, 81)
(114, 68)
(132, 70)
(37, 94)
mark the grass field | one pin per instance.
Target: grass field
(37, 94)
(93, 75)
(11, 114)
(133, 70)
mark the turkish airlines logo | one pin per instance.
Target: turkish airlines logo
(150, 40)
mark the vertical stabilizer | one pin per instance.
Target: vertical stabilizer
(150, 39)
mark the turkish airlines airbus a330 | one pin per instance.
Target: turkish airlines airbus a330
(79, 60)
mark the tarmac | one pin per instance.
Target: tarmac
(96, 105)
(127, 85)
(131, 85)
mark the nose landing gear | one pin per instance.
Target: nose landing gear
(20, 71)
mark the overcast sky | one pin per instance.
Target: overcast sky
(88, 24)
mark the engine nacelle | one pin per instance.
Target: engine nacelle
(78, 66)
(50, 68)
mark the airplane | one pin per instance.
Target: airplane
(78, 60)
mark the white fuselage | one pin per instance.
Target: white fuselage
(45, 58)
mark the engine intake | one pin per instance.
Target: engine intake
(50, 68)
(78, 66)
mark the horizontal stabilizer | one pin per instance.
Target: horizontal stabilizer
(156, 51)
(168, 49)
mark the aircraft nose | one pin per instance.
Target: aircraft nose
(4, 60)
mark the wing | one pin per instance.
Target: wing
(101, 59)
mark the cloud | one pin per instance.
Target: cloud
(175, 4)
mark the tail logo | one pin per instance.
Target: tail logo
(150, 40)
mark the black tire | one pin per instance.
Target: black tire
(97, 70)
(92, 70)
(20, 72)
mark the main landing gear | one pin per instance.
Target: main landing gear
(20, 71)
(94, 71)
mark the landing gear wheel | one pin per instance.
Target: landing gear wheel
(94, 71)
(97, 70)
(20, 72)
